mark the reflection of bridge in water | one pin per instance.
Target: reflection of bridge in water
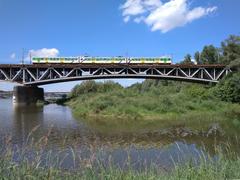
(42, 74)
(32, 76)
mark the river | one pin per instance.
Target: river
(64, 132)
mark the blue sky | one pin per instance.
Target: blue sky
(113, 27)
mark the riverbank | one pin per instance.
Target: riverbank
(226, 169)
(152, 106)
(47, 165)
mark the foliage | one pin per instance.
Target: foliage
(235, 65)
(152, 104)
(229, 88)
(197, 57)
(93, 87)
(187, 60)
(227, 53)
(210, 55)
(231, 49)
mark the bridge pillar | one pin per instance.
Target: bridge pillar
(27, 95)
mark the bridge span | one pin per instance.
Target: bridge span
(31, 76)
(42, 74)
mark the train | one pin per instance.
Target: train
(102, 60)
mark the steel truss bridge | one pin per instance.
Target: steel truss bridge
(42, 74)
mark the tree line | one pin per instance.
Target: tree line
(228, 53)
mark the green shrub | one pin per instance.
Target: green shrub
(93, 87)
(229, 88)
(195, 91)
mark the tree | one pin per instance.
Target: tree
(187, 60)
(197, 57)
(210, 55)
(229, 88)
(231, 49)
(235, 65)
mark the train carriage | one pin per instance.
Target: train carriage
(102, 60)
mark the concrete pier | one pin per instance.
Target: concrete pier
(27, 95)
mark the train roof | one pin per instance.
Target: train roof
(105, 57)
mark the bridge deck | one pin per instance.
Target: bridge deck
(96, 65)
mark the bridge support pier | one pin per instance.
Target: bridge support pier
(27, 95)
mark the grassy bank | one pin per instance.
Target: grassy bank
(151, 105)
(35, 168)
(225, 170)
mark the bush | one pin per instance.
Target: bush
(229, 88)
(235, 65)
(84, 87)
(196, 91)
(93, 87)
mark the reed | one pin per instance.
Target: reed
(33, 161)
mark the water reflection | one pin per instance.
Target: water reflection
(65, 131)
(25, 119)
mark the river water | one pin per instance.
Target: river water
(64, 132)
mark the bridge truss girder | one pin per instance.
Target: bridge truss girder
(48, 74)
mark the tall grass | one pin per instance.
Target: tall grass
(32, 162)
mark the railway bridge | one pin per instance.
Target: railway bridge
(32, 75)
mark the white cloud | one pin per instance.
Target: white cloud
(163, 16)
(44, 52)
(126, 19)
(13, 56)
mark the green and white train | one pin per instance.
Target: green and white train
(102, 60)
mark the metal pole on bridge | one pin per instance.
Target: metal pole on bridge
(23, 55)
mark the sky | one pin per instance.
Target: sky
(112, 28)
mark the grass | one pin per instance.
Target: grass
(152, 105)
(47, 165)
(225, 170)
